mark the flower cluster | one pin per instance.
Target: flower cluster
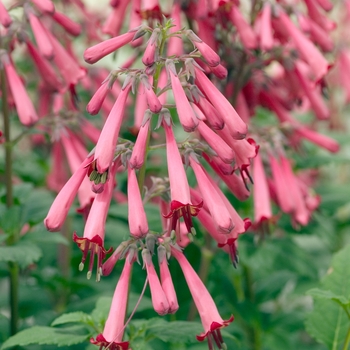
(195, 92)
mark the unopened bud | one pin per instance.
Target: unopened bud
(162, 253)
(151, 240)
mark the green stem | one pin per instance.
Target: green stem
(13, 267)
(142, 171)
(347, 340)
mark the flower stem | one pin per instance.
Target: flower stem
(347, 340)
(13, 267)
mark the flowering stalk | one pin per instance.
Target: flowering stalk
(13, 267)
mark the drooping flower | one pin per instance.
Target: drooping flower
(184, 110)
(112, 335)
(138, 225)
(24, 106)
(181, 205)
(208, 312)
(151, 54)
(94, 232)
(212, 200)
(159, 300)
(5, 18)
(60, 207)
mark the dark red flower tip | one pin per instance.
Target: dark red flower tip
(103, 343)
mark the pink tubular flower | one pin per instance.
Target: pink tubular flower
(138, 153)
(150, 55)
(211, 57)
(95, 104)
(5, 18)
(317, 103)
(208, 312)
(166, 280)
(114, 23)
(65, 22)
(67, 65)
(185, 112)
(42, 40)
(175, 45)
(262, 205)
(220, 71)
(138, 225)
(221, 148)
(305, 47)
(48, 74)
(213, 118)
(159, 300)
(232, 181)
(181, 205)
(96, 52)
(105, 148)
(45, 6)
(112, 335)
(245, 31)
(212, 199)
(152, 100)
(265, 33)
(238, 129)
(60, 207)
(24, 106)
(94, 232)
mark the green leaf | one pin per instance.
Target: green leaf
(327, 294)
(328, 322)
(174, 332)
(73, 317)
(10, 219)
(45, 336)
(23, 253)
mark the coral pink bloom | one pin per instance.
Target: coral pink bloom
(221, 148)
(135, 20)
(262, 205)
(48, 74)
(175, 45)
(138, 225)
(220, 71)
(65, 22)
(60, 207)
(94, 232)
(96, 52)
(57, 177)
(211, 57)
(212, 200)
(265, 32)
(112, 335)
(181, 205)
(45, 6)
(185, 112)
(42, 40)
(5, 18)
(76, 153)
(232, 181)
(152, 100)
(24, 106)
(159, 300)
(308, 51)
(213, 118)
(238, 129)
(317, 103)
(300, 213)
(114, 23)
(138, 153)
(208, 312)
(105, 148)
(344, 71)
(316, 15)
(244, 30)
(95, 104)
(281, 187)
(67, 65)
(318, 139)
(166, 280)
(140, 108)
(151, 54)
